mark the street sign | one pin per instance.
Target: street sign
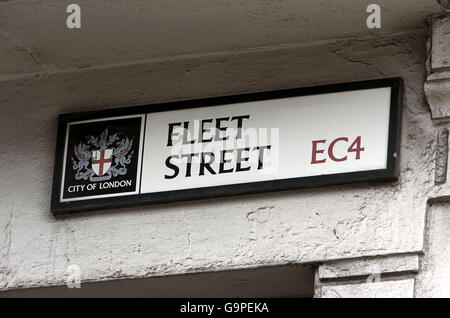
(224, 146)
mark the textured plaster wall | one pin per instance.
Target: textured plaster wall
(391, 289)
(434, 278)
(305, 226)
(33, 35)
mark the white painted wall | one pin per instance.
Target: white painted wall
(390, 289)
(434, 278)
(294, 227)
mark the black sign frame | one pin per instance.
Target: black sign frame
(391, 172)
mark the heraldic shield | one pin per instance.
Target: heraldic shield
(101, 161)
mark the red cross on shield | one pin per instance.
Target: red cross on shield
(101, 161)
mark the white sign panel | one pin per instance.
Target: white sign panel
(231, 145)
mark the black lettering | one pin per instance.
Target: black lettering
(189, 162)
(186, 134)
(240, 160)
(219, 129)
(170, 165)
(239, 119)
(261, 155)
(171, 126)
(206, 165)
(223, 161)
(203, 130)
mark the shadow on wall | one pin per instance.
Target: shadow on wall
(279, 281)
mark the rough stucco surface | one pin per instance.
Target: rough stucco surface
(437, 87)
(33, 35)
(311, 225)
(433, 280)
(390, 289)
(441, 43)
(369, 266)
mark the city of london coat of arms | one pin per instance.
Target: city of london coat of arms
(102, 158)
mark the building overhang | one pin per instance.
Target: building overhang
(34, 37)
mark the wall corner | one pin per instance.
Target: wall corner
(392, 276)
(437, 85)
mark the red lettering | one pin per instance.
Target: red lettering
(315, 151)
(356, 147)
(330, 149)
